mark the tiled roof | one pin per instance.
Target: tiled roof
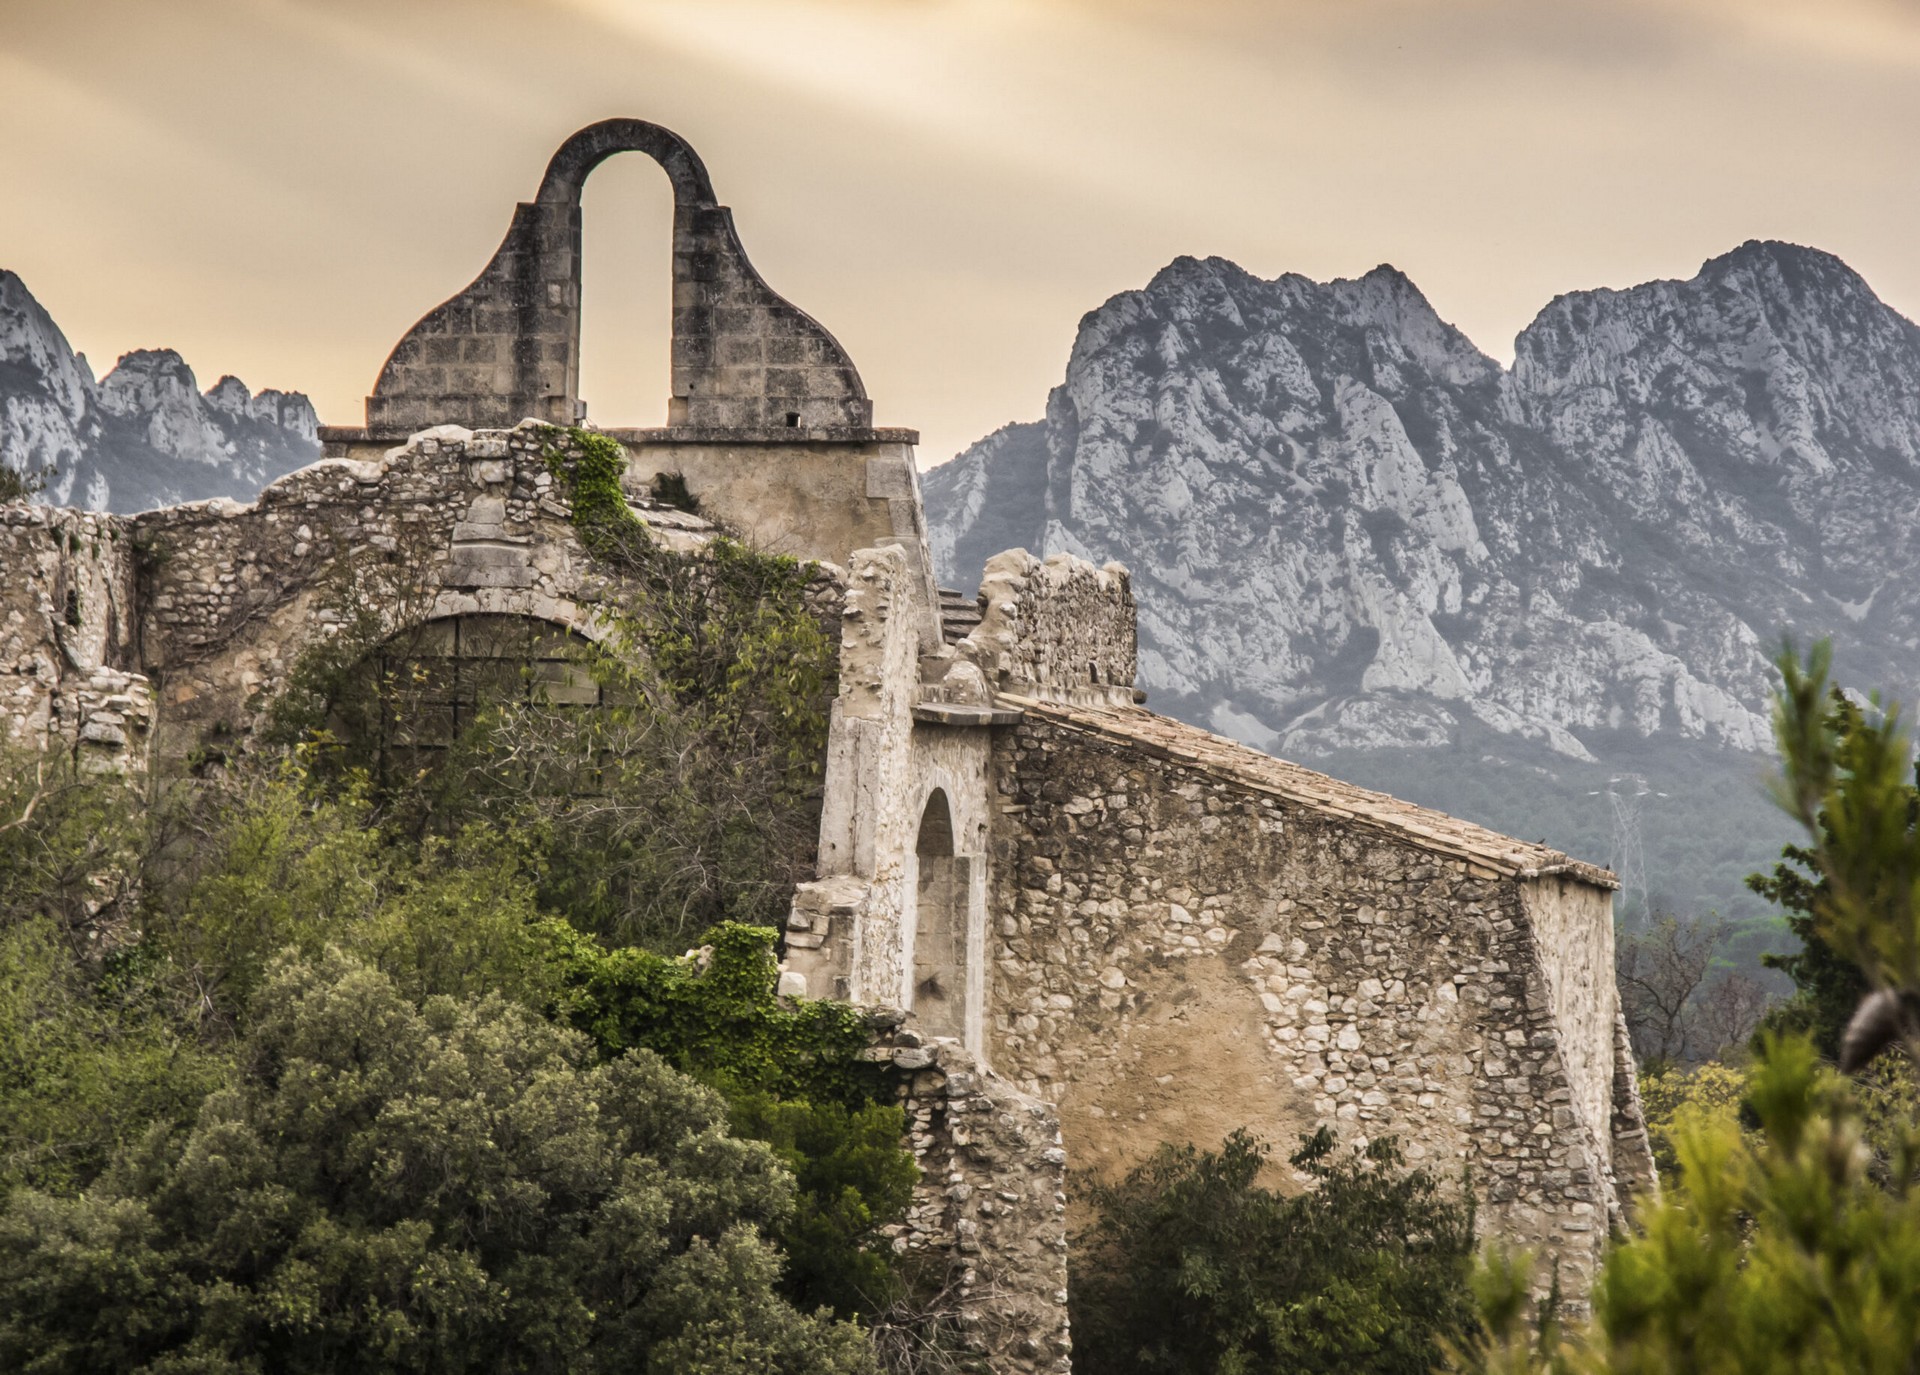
(1245, 767)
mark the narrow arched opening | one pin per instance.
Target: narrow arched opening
(939, 976)
(626, 293)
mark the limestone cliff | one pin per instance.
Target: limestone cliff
(142, 436)
(1356, 538)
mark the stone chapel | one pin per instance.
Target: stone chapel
(1088, 928)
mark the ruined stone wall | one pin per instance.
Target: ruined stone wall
(809, 500)
(1058, 628)
(991, 1204)
(67, 636)
(453, 523)
(1177, 953)
(851, 934)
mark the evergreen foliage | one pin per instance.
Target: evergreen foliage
(385, 1186)
(1192, 1267)
(1828, 984)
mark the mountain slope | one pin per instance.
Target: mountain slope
(142, 436)
(1356, 538)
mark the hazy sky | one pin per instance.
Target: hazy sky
(279, 188)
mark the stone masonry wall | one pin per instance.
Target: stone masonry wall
(1058, 628)
(455, 522)
(990, 1207)
(67, 636)
(1178, 953)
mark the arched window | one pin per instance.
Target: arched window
(939, 987)
(626, 297)
(426, 686)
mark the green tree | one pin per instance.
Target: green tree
(385, 1186)
(1846, 778)
(1828, 985)
(1193, 1266)
(1781, 1252)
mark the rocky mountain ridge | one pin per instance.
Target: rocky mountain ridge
(142, 436)
(1356, 537)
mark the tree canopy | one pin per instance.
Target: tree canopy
(385, 1186)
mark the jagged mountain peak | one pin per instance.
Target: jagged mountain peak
(1355, 536)
(1333, 501)
(144, 434)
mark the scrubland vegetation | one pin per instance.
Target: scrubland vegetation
(364, 1051)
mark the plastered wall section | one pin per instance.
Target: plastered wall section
(68, 636)
(1174, 955)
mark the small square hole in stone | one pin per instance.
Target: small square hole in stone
(793, 420)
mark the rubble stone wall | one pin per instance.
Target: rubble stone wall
(991, 1203)
(1177, 955)
(1057, 628)
(68, 651)
(453, 523)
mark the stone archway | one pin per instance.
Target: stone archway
(745, 359)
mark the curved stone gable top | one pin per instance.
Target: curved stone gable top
(747, 363)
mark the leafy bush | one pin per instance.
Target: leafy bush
(262, 862)
(391, 1187)
(1670, 1096)
(1193, 1266)
(797, 1078)
(90, 1060)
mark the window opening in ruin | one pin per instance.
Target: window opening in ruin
(428, 685)
(939, 990)
(793, 420)
(626, 292)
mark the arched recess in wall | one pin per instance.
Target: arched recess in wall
(410, 702)
(626, 293)
(938, 995)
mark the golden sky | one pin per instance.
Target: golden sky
(279, 188)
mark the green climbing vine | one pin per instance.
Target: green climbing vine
(588, 467)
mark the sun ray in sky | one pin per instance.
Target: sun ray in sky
(279, 187)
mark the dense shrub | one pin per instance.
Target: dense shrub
(387, 1186)
(1192, 1267)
